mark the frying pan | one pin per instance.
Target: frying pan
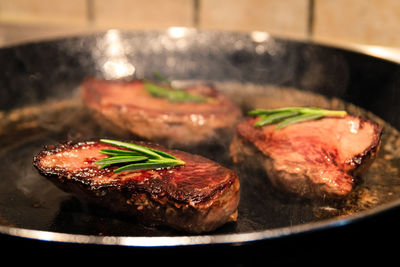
(40, 105)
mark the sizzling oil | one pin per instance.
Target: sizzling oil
(67, 119)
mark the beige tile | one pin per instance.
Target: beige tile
(71, 12)
(375, 22)
(279, 17)
(143, 14)
(15, 33)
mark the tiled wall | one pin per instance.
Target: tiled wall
(375, 22)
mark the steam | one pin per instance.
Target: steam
(113, 57)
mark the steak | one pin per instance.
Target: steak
(313, 159)
(197, 197)
(127, 109)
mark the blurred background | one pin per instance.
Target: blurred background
(370, 22)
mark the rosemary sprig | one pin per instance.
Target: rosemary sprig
(172, 94)
(166, 90)
(291, 115)
(136, 158)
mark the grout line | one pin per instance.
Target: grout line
(90, 12)
(196, 11)
(310, 19)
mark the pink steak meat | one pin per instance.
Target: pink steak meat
(127, 109)
(314, 159)
(197, 197)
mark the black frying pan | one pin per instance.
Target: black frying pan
(40, 105)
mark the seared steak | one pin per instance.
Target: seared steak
(314, 159)
(197, 197)
(129, 110)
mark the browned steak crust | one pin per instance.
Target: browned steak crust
(127, 109)
(315, 159)
(198, 197)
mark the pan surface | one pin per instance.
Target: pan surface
(40, 105)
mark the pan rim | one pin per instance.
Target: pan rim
(196, 240)
(382, 52)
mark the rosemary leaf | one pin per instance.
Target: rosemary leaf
(158, 91)
(275, 117)
(121, 159)
(118, 152)
(256, 112)
(297, 119)
(147, 165)
(163, 154)
(161, 78)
